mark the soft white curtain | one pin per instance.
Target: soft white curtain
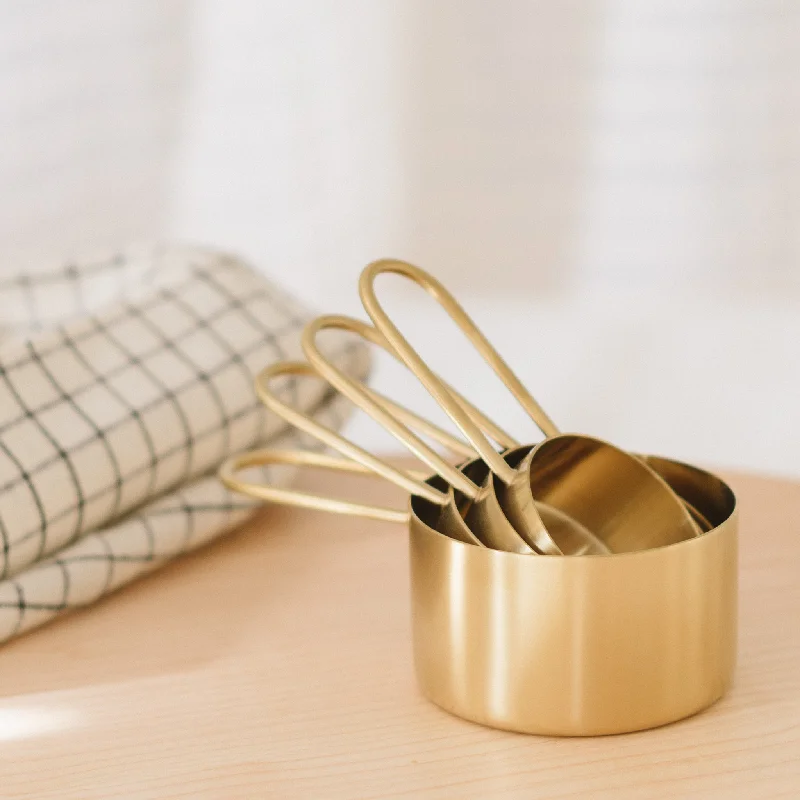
(573, 144)
(91, 101)
(612, 186)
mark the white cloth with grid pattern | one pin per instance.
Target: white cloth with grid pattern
(123, 385)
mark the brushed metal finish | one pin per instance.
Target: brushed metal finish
(483, 515)
(486, 518)
(450, 522)
(228, 474)
(565, 535)
(634, 629)
(613, 494)
(578, 646)
(575, 646)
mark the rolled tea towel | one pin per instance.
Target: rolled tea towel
(124, 383)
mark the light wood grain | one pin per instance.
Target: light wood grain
(277, 664)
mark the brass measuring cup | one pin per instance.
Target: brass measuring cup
(492, 529)
(449, 522)
(399, 420)
(624, 504)
(617, 643)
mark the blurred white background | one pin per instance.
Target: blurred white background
(611, 188)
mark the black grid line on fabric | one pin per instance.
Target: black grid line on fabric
(135, 414)
(20, 605)
(167, 394)
(27, 476)
(99, 326)
(65, 576)
(238, 304)
(344, 352)
(74, 280)
(98, 435)
(71, 274)
(288, 307)
(189, 512)
(196, 508)
(122, 558)
(24, 477)
(348, 350)
(110, 557)
(151, 537)
(279, 298)
(200, 376)
(122, 315)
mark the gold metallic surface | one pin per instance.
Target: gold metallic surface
(484, 517)
(609, 493)
(290, 497)
(486, 514)
(450, 522)
(432, 382)
(361, 397)
(584, 645)
(303, 422)
(616, 496)
(566, 535)
(575, 646)
(487, 522)
(631, 621)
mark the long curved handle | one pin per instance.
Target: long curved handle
(371, 334)
(345, 447)
(366, 400)
(290, 497)
(429, 379)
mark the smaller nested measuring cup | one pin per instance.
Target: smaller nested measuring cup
(493, 528)
(450, 524)
(569, 536)
(623, 503)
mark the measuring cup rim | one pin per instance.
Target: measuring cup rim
(652, 552)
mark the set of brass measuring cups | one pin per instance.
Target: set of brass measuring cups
(566, 587)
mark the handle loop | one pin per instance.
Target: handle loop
(299, 420)
(366, 400)
(291, 497)
(429, 379)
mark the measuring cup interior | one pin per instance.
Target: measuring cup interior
(446, 518)
(610, 492)
(567, 534)
(482, 514)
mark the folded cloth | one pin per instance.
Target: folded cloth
(124, 383)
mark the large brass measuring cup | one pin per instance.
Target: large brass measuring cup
(577, 646)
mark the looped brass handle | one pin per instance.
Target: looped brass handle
(367, 400)
(345, 447)
(291, 497)
(437, 388)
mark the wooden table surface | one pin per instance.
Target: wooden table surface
(277, 664)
